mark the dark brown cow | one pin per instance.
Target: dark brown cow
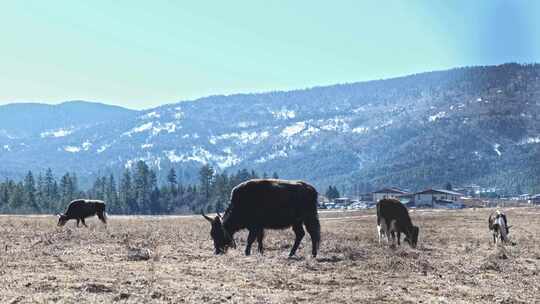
(393, 217)
(268, 204)
(81, 209)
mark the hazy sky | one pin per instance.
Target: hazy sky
(141, 54)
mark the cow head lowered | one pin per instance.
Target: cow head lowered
(62, 219)
(411, 237)
(222, 238)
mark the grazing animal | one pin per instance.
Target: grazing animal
(260, 204)
(393, 218)
(81, 209)
(498, 224)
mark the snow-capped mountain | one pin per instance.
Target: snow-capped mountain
(464, 125)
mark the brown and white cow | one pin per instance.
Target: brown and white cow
(498, 225)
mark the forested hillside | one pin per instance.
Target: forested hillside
(466, 125)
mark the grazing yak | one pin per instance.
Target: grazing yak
(498, 224)
(260, 204)
(393, 218)
(80, 209)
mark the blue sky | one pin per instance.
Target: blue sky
(141, 54)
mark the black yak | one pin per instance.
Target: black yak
(81, 209)
(393, 218)
(260, 204)
(498, 224)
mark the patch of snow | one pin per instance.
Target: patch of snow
(103, 148)
(437, 116)
(152, 114)
(335, 124)
(383, 125)
(293, 129)
(6, 134)
(358, 110)
(144, 127)
(146, 146)
(201, 155)
(244, 137)
(533, 140)
(496, 149)
(72, 149)
(86, 145)
(279, 154)
(283, 114)
(7, 148)
(479, 99)
(360, 130)
(56, 133)
(169, 127)
(247, 124)
(310, 131)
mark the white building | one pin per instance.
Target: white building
(387, 193)
(430, 197)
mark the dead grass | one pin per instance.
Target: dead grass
(170, 260)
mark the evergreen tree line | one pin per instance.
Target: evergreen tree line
(136, 191)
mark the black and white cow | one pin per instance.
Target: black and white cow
(498, 225)
(393, 218)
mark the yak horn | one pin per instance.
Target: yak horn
(219, 215)
(206, 217)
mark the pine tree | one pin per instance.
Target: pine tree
(111, 196)
(206, 177)
(141, 187)
(30, 191)
(50, 192)
(126, 196)
(16, 199)
(40, 194)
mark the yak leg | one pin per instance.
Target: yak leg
(314, 229)
(251, 238)
(78, 222)
(299, 235)
(83, 222)
(399, 238)
(260, 238)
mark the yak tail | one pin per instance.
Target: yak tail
(102, 216)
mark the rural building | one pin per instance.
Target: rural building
(342, 201)
(437, 198)
(388, 193)
(470, 190)
(535, 199)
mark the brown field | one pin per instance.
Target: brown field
(454, 262)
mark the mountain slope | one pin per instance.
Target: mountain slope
(464, 125)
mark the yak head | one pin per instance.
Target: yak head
(221, 237)
(62, 219)
(411, 236)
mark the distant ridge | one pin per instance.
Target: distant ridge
(464, 125)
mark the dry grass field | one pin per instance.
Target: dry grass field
(454, 262)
